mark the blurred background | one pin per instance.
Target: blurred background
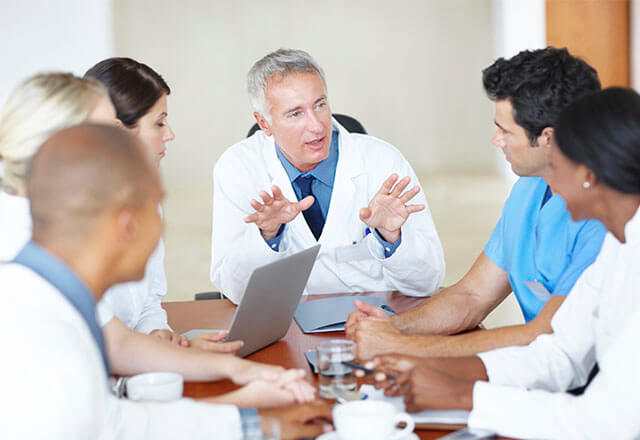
(409, 70)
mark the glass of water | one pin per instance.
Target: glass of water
(332, 372)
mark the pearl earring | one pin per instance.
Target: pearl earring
(586, 185)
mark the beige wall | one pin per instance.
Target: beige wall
(408, 70)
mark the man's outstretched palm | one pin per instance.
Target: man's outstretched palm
(274, 211)
(388, 209)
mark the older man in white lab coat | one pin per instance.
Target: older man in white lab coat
(350, 189)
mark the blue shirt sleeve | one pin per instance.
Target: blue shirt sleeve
(274, 243)
(389, 248)
(585, 251)
(494, 249)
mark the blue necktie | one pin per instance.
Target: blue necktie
(313, 215)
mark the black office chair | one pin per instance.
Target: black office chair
(350, 124)
(208, 295)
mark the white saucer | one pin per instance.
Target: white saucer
(333, 435)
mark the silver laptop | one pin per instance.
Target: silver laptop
(270, 300)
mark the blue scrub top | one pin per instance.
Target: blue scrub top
(536, 240)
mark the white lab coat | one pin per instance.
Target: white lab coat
(348, 261)
(137, 304)
(56, 387)
(599, 321)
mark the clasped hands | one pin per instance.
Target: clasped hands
(387, 211)
(419, 380)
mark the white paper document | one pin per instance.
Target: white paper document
(449, 417)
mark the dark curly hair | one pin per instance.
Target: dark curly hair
(539, 84)
(602, 132)
(133, 87)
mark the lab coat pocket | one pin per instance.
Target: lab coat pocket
(357, 268)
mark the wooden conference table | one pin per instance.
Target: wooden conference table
(288, 352)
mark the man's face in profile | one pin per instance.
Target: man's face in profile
(512, 139)
(301, 118)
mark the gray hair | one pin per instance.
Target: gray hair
(281, 62)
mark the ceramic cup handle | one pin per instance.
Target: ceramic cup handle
(410, 425)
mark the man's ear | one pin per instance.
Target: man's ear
(126, 227)
(120, 125)
(546, 138)
(262, 123)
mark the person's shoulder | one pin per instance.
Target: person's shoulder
(28, 288)
(527, 190)
(375, 150)
(244, 153)
(530, 184)
(371, 143)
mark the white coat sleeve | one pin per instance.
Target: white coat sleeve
(554, 362)
(236, 247)
(607, 409)
(126, 420)
(417, 266)
(153, 316)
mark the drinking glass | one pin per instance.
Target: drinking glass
(332, 373)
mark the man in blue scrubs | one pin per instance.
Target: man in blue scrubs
(536, 250)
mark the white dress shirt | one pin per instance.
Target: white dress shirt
(350, 260)
(136, 304)
(55, 384)
(599, 321)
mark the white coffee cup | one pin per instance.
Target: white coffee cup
(161, 386)
(370, 420)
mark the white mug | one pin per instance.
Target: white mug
(162, 387)
(370, 420)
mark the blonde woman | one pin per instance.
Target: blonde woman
(44, 104)
(38, 107)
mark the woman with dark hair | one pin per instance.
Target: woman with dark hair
(522, 391)
(139, 95)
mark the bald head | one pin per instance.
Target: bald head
(82, 173)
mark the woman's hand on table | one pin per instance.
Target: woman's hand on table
(263, 394)
(211, 342)
(169, 336)
(391, 371)
(245, 371)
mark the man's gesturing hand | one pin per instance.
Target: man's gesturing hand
(388, 209)
(274, 211)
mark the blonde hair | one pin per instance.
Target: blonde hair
(38, 107)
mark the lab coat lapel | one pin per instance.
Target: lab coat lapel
(344, 188)
(299, 228)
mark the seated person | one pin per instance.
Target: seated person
(139, 95)
(94, 202)
(350, 188)
(38, 107)
(521, 391)
(536, 250)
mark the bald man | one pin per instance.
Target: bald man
(94, 197)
